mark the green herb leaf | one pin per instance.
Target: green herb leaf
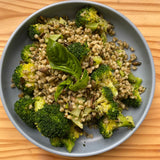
(60, 88)
(80, 84)
(61, 59)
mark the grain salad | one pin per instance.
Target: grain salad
(72, 76)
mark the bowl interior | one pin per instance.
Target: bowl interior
(124, 31)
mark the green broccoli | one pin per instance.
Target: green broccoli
(26, 53)
(136, 81)
(35, 29)
(103, 77)
(19, 77)
(125, 121)
(89, 18)
(24, 107)
(86, 15)
(113, 111)
(73, 136)
(107, 92)
(100, 73)
(106, 105)
(107, 126)
(136, 100)
(78, 50)
(51, 122)
(69, 142)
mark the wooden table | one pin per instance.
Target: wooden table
(144, 144)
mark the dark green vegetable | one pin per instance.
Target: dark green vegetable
(107, 92)
(89, 18)
(25, 54)
(136, 82)
(60, 58)
(51, 122)
(134, 102)
(81, 83)
(24, 107)
(69, 142)
(106, 105)
(60, 88)
(107, 127)
(113, 111)
(78, 50)
(103, 77)
(35, 29)
(100, 73)
(20, 82)
(87, 15)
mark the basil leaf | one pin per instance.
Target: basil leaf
(61, 59)
(60, 88)
(80, 84)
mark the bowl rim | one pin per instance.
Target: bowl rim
(101, 150)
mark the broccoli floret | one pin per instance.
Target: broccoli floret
(35, 29)
(107, 126)
(78, 50)
(51, 122)
(107, 92)
(106, 105)
(125, 121)
(69, 142)
(136, 81)
(17, 77)
(20, 73)
(100, 73)
(89, 18)
(25, 54)
(73, 136)
(86, 15)
(103, 77)
(24, 107)
(113, 111)
(135, 100)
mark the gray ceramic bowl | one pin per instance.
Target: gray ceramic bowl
(125, 30)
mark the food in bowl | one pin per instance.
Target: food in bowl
(71, 76)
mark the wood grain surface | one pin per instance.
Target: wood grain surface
(144, 144)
